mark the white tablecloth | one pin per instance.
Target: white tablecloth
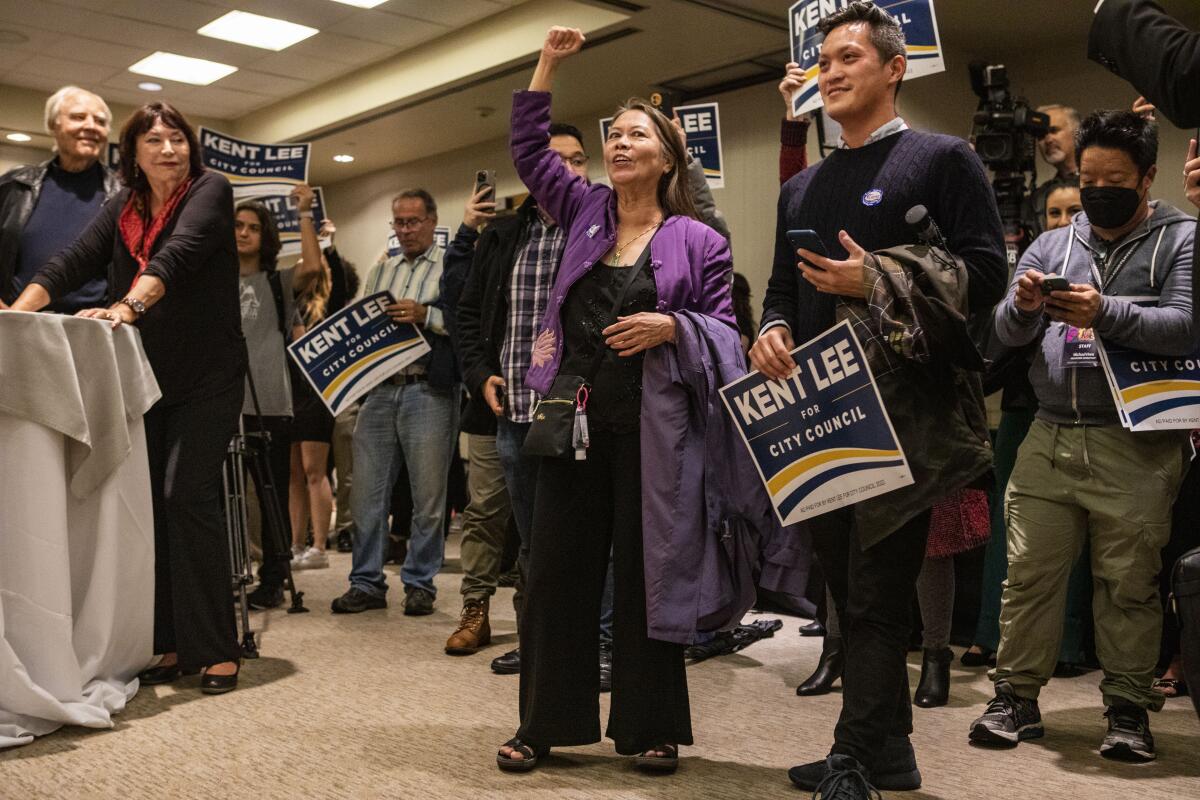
(76, 523)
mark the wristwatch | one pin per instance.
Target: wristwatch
(139, 308)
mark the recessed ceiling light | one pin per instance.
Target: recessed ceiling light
(257, 31)
(361, 3)
(195, 71)
(343, 158)
(25, 137)
(150, 86)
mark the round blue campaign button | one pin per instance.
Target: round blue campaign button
(872, 197)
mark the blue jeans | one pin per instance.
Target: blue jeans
(520, 474)
(418, 424)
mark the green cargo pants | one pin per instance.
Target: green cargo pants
(485, 519)
(1113, 489)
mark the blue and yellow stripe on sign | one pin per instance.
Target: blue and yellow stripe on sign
(919, 51)
(795, 482)
(1147, 400)
(342, 384)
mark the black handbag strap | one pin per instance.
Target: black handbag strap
(602, 349)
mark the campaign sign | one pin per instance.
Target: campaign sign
(254, 169)
(916, 17)
(355, 350)
(1153, 393)
(393, 246)
(820, 439)
(287, 218)
(702, 124)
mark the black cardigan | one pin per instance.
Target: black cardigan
(193, 334)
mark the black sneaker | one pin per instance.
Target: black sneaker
(1128, 737)
(605, 666)
(845, 779)
(895, 771)
(356, 601)
(345, 543)
(1008, 720)
(507, 664)
(265, 597)
(418, 603)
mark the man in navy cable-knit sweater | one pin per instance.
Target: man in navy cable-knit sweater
(856, 199)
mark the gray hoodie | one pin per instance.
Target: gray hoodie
(1157, 264)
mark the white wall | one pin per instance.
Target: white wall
(750, 125)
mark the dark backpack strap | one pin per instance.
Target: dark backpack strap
(277, 295)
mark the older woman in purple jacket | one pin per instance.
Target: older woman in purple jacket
(640, 236)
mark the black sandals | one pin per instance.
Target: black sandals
(531, 755)
(652, 763)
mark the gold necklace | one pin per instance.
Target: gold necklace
(616, 259)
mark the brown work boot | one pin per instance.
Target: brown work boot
(473, 629)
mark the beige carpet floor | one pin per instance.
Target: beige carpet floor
(368, 706)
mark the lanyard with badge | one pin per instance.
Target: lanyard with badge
(1079, 345)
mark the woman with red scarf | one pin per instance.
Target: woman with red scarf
(166, 244)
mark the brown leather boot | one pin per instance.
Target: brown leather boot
(473, 629)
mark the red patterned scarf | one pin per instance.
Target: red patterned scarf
(132, 224)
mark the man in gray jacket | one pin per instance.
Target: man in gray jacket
(1080, 476)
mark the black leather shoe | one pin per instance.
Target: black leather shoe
(934, 687)
(605, 667)
(155, 676)
(265, 597)
(896, 770)
(814, 628)
(345, 544)
(355, 601)
(828, 670)
(218, 684)
(418, 603)
(507, 664)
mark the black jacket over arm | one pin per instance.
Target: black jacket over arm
(193, 335)
(1161, 58)
(476, 279)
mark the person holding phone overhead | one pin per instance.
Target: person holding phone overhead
(855, 200)
(637, 248)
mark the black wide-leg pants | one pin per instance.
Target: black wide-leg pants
(193, 583)
(581, 510)
(873, 590)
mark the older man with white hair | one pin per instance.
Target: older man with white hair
(44, 207)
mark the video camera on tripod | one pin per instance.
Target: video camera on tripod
(1005, 131)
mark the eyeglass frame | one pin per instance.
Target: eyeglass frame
(409, 223)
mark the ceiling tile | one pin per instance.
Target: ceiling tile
(452, 13)
(310, 68)
(66, 70)
(389, 29)
(114, 55)
(277, 86)
(343, 49)
(182, 14)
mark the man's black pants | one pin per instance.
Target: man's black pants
(873, 591)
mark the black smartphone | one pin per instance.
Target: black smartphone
(808, 240)
(486, 177)
(1055, 283)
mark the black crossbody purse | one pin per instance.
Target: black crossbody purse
(559, 427)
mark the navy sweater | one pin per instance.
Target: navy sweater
(866, 191)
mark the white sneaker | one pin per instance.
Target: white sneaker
(312, 558)
(297, 552)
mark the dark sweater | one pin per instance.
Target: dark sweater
(67, 202)
(193, 334)
(866, 191)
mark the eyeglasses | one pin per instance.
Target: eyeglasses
(408, 223)
(578, 162)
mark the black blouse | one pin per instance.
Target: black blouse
(193, 335)
(615, 400)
